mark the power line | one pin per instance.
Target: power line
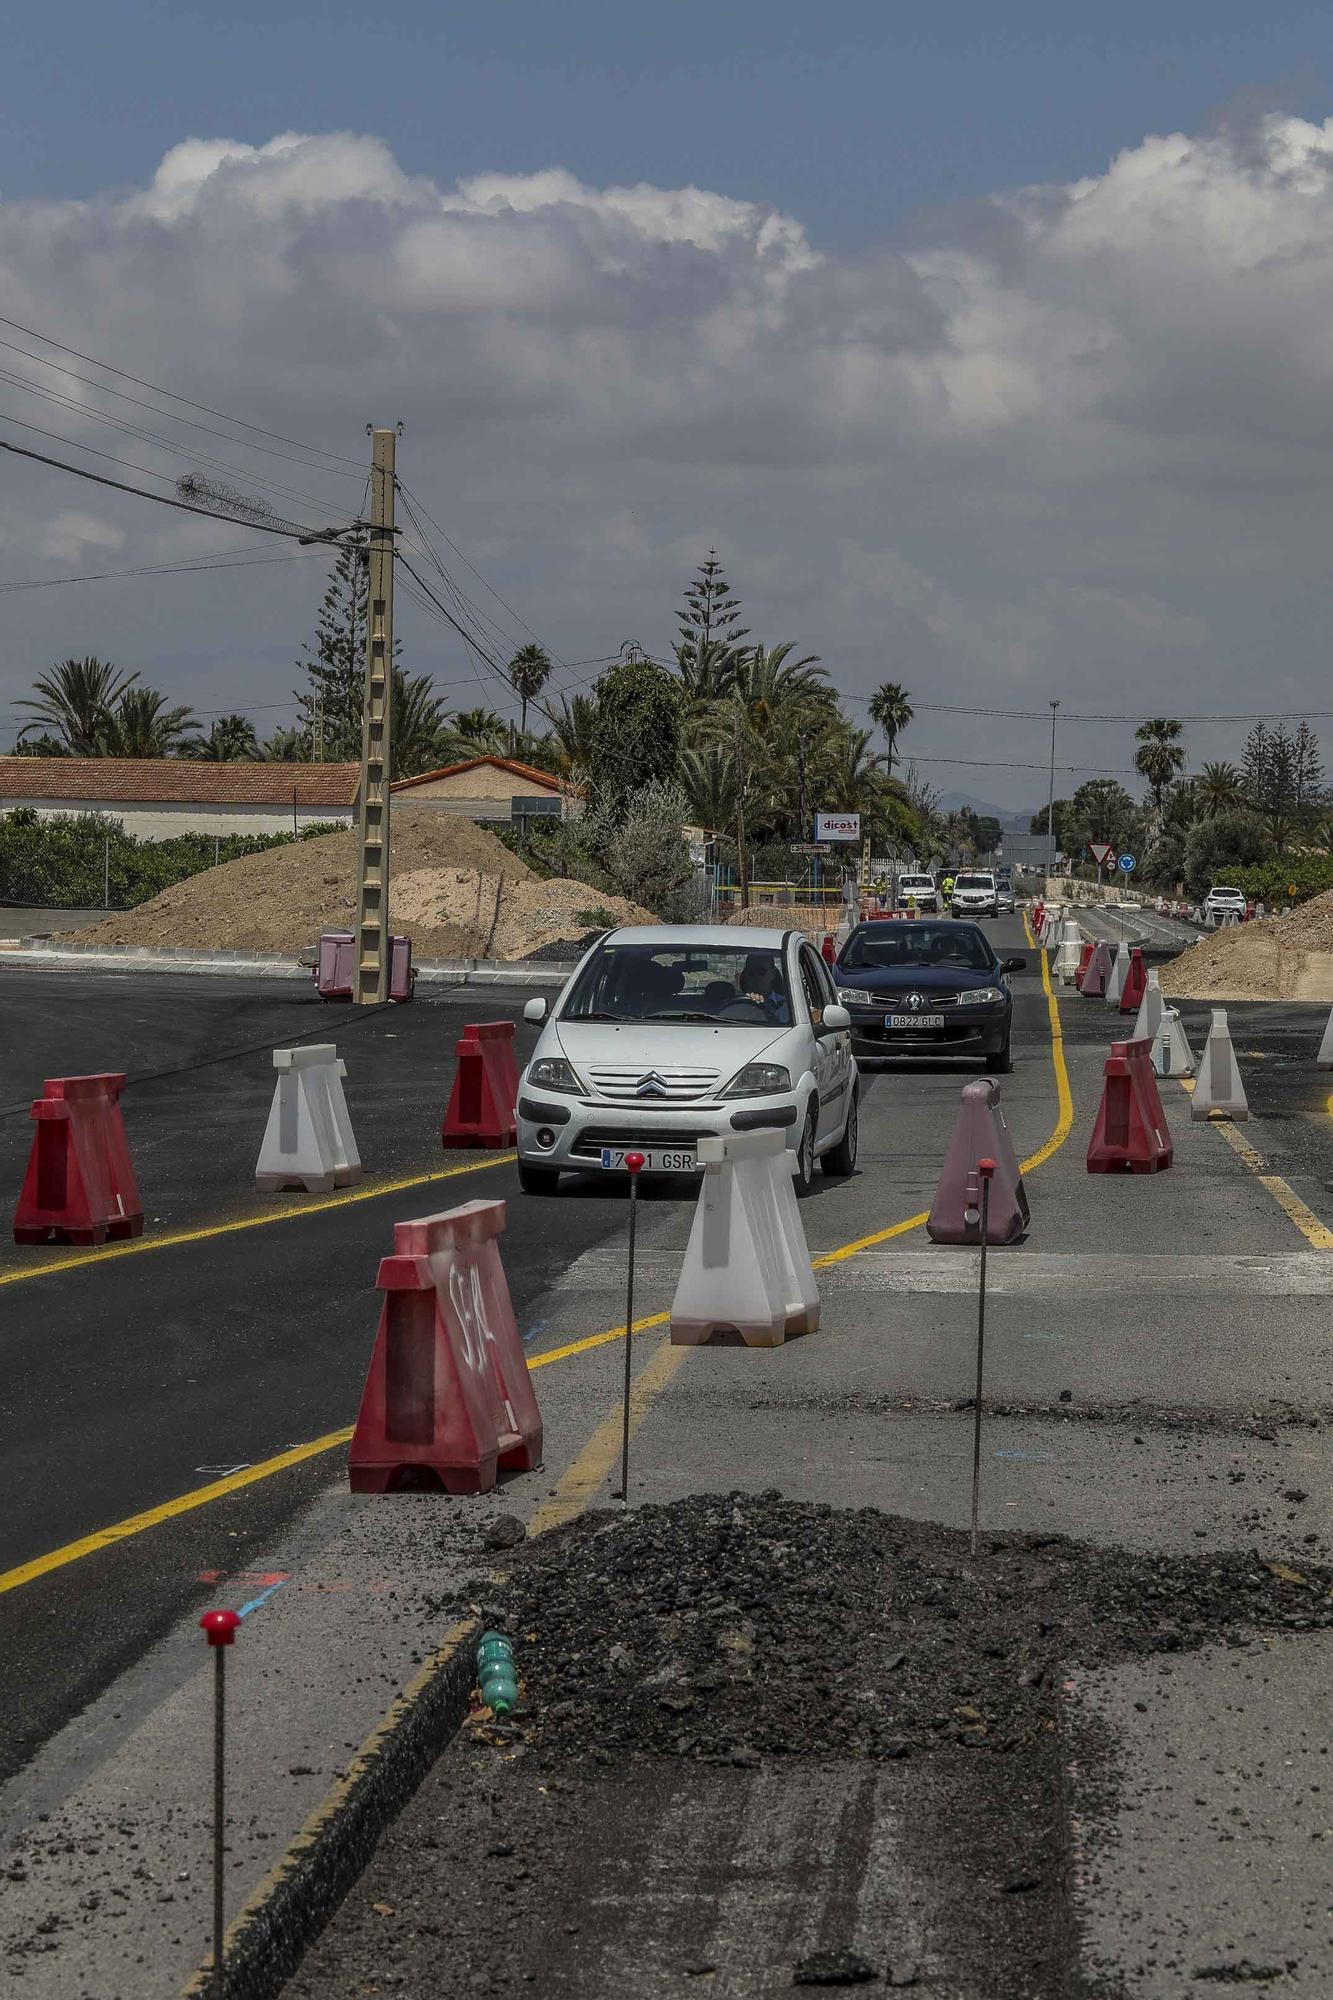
(163, 500)
(157, 569)
(408, 499)
(240, 422)
(1037, 715)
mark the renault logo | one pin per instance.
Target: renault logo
(916, 1002)
(651, 1085)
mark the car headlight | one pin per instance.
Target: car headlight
(857, 995)
(758, 1080)
(555, 1074)
(982, 996)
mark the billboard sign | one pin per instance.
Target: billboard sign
(837, 826)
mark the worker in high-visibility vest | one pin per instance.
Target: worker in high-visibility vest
(948, 888)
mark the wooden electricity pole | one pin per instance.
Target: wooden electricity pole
(372, 907)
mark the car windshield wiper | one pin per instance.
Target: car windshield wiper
(594, 1015)
(679, 1017)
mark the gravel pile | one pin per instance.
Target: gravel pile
(734, 1627)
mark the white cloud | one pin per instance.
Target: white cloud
(1074, 439)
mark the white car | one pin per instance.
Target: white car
(975, 895)
(1222, 902)
(668, 1033)
(919, 889)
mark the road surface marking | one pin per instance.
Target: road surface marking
(202, 1496)
(141, 1245)
(1316, 1234)
(590, 1470)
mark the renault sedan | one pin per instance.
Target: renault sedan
(915, 989)
(670, 1033)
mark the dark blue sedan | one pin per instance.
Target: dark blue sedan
(921, 989)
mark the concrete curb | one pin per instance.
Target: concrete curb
(42, 953)
(291, 1906)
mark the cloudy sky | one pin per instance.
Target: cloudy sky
(1003, 368)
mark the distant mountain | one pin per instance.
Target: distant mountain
(1007, 815)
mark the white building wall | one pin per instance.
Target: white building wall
(154, 821)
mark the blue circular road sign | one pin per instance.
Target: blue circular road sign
(1128, 863)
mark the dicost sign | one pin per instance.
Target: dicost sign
(837, 826)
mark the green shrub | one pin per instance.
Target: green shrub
(1289, 878)
(78, 861)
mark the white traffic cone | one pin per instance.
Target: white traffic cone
(1069, 953)
(1149, 1017)
(1325, 1056)
(1219, 1087)
(1115, 985)
(1171, 1052)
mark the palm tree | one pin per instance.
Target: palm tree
(529, 671)
(1160, 757)
(709, 780)
(286, 746)
(143, 726)
(231, 740)
(1218, 789)
(891, 710)
(420, 726)
(571, 735)
(478, 732)
(75, 699)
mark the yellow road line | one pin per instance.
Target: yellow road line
(142, 1245)
(153, 1517)
(654, 1376)
(589, 1472)
(1316, 1234)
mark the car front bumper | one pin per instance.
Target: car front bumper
(967, 1031)
(581, 1127)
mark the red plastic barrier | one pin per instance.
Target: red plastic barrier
(980, 1133)
(80, 1185)
(335, 967)
(482, 1104)
(1136, 983)
(1131, 1134)
(1097, 972)
(828, 950)
(1084, 960)
(448, 1401)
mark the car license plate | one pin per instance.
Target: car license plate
(914, 1021)
(681, 1161)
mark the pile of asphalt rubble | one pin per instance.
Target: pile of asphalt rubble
(730, 1628)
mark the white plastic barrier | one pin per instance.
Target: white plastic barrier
(1115, 985)
(1149, 1017)
(1069, 953)
(747, 1269)
(1219, 1088)
(1325, 1056)
(1171, 1052)
(308, 1141)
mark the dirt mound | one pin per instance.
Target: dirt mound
(454, 889)
(1277, 958)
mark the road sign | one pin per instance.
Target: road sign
(1128, 863)
(811, 847)
(1101, 852)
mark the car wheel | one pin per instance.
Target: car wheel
(804, 1176)
(538, 1180)
(841, 1159)
(1001, 1062)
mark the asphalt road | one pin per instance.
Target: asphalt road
(1151, 1340)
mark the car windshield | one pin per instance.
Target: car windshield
(973, 882)
(1232, 895)
(884, 948)
(664, 982)
(915, 882)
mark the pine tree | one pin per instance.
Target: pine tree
(708, 617)
(335, 667)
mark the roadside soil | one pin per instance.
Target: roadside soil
(765, 1744)
(1273, 958)
(454, 889)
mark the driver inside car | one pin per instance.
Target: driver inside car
(759, 984)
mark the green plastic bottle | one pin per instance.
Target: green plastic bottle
(496, 1674)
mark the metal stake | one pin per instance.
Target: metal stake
(985, 1169)
(633, 1166)
(220, 1628)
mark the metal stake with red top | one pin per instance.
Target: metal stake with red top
(633, 1167)
(220, 1629)
(985, 1172)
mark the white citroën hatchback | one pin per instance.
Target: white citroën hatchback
(669, 1033)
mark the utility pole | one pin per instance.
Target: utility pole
(372, 907)
(1050, 803)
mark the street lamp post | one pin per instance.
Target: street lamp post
(1050, 803)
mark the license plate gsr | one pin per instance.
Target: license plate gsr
(910, 1021)
(656, 1162)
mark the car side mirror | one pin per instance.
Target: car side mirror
(836, 1018)
(535, 1010)
(1014, 965)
